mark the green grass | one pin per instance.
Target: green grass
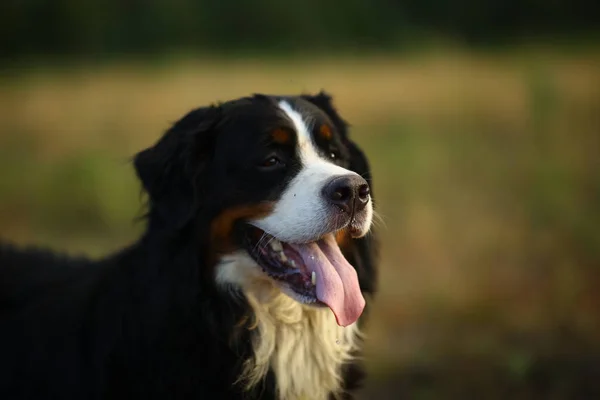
(487, 176)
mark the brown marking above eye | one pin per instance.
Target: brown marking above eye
(281, 136)
(325, 132)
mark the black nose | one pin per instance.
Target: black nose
(348, 192)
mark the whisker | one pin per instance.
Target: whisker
(266, 237)
(378, 220)
(260, 241)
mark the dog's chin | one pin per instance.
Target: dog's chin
(357, 229)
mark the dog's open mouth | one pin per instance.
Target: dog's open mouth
(316, 272)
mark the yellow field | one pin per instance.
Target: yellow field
(486, 168)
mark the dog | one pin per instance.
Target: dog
(250, 281)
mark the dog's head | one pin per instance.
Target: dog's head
(276, 189)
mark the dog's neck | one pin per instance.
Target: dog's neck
(302, 345)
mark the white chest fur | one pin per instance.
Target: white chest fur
(302, 344)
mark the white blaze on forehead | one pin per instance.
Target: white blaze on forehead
(298, 121)
(306, 147)
(296, 118)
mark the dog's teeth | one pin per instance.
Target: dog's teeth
(293, 263)
(313, 278)
(282, 257)
(276, 245)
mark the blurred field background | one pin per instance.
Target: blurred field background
(481, 120)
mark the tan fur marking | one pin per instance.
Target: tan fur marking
(281, 136)
(343, 239)
(325, 132)
(222, 225)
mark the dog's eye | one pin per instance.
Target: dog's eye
(270, 162)
(334, 154)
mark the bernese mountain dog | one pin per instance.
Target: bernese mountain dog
(249, 282)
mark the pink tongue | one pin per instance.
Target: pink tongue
(337, 282)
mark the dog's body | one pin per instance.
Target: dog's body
(216, 300)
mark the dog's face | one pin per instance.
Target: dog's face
(278, 184)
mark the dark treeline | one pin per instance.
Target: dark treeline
(104, 27)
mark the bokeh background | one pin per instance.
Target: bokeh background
(481, 120)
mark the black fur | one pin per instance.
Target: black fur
(149, 322)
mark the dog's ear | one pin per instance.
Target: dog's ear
(324, 101)
(170, 170)
(361, 253)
